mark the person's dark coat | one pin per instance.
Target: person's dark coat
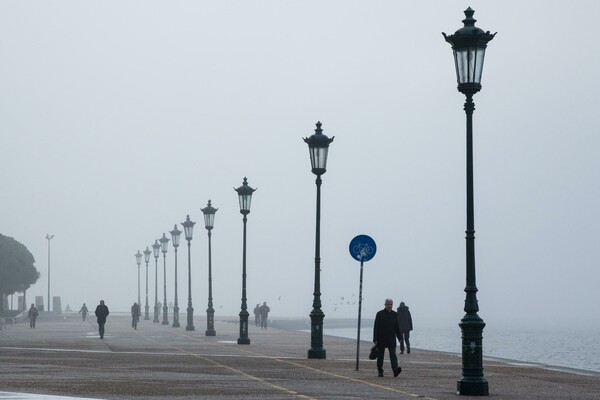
(385, 329)
(101, 313)
(404, 319)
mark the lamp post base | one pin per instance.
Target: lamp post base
(211, 333)
(470, 388)
(243, 340)
(317, 354)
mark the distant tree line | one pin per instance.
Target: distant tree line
(17, 272)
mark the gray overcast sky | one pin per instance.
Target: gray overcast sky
(118, 118)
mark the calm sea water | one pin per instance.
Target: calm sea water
(579, 349)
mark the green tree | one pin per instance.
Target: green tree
(17, 272)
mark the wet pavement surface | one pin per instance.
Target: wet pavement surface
(67, 358)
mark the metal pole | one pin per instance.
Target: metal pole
(190, 309)
(49, 238)
(210, 311)
(359, 311)
(156, 290)
(244, 339)
(472, 381)
(146, 314)
(165, 320)
(316, 316)
(176, 306)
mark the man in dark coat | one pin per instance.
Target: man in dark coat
(385, 332)
(264, 315)
(405, 325)
(101, 314)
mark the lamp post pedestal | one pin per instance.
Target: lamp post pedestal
(316, 335)
(244, 339)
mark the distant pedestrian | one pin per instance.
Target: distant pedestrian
(83, 311)
(101, 314)
(264, 315)
(135, 315)
(405, 325)
(385, 332)
(32, 314)
(257, 315)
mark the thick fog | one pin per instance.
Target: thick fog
(120, 118)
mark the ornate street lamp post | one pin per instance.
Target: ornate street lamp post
(164, 241)
(245, 196)
(469, 44)
(138, 259)
(209, 219)
(175, 235)
(49, 238)
(147, 253)
(156, 251)
(188, 229)
(318, 147)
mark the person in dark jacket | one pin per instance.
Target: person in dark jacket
(264, 315)
(385, 332)
(101, 314)
(405, 325)
(32, 314)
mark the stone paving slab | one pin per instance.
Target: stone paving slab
(67, 358)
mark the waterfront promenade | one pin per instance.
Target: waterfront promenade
(67, 358)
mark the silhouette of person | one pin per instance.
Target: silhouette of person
(32, 314)
(83, 311)
(257, 315)
(385, 331)
(405, 325)
(264, 315)
(101, 314)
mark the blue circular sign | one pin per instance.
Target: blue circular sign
(362, 248)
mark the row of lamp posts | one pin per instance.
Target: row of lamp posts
(188, 228)
(468, 44)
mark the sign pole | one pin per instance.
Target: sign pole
(359, 309)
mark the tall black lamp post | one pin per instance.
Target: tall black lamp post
(318, 146)
(49, 238)
(209, 219)
(138, 259)
(245, 196)
(164, 241)
(188, 229)
(156, 251)
(175, 235)
(469, 44)
(147, 260)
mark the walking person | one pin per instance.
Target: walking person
(135, 315)
(32, 314)
(101, 314)
(385, 332)
(83, 311)
(264, 315)
(257, 315)
(405, 325)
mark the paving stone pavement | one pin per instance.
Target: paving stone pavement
(67, 358)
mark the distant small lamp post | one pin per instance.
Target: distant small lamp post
(164, 241)
(175, 235)
(49, 238)
(156, 251)
(318, 147)
(469, 44)
(245, 196)
(188, 229)
(209, 219)
(147, 253)
(138, 259)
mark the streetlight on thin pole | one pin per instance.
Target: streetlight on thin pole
(245, 197)
(49, 237)
(469, 44)
(175, 235)
(164, 241)
(188, 229)
(156, 251)
(138, 259)
(147, 253)
(209, 220)
(318, 146)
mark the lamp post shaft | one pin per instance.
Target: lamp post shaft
(156, 290)
(244, 339)
(165, 320)
(210, 311)
(190, 309)
(138, 284)
(146, 308)
(49, 238)
(472, 381)
(316, 316)
(176, 305)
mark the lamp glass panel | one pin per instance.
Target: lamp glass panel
(138, 258)
(147, 255)
(175, 239)
(209, 220)
(318, 157)
(156, 250)
(469, 64)
(245, 201)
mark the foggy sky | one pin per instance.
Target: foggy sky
(120, 118)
